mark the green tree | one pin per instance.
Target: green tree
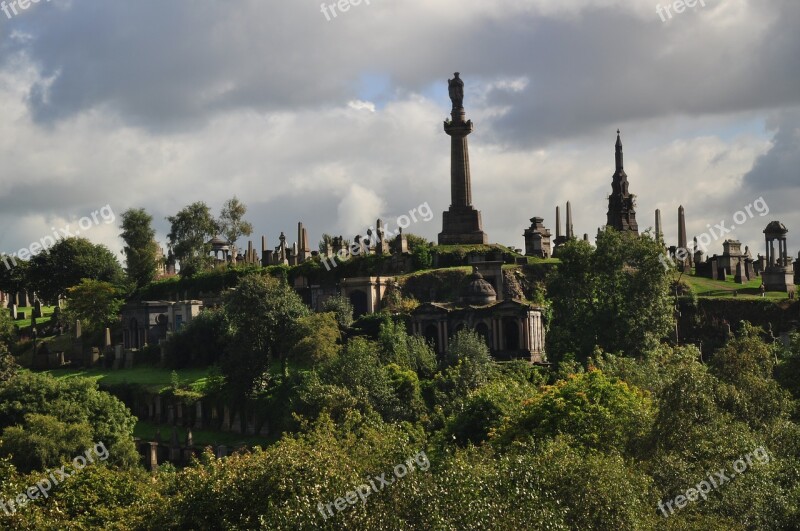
(141, 249)
(598, 412)
(192, 229)
(43, 440)
(231, 221)
(201, 342)
(615, 297)
(342, 307)
(316, 339)
(14, 275)
(69, 261)
(96, 304)
(262, 312)
(8, 331)
(71, 402)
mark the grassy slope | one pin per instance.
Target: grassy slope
(705, 287)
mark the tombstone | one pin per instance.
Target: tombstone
(92, 357)
(13, 311)
(714, 267)
(226, 419)
(78, 332)
(21, 316)
(198, 415)
(151, 461)
(37, 309)
(723, 276)
(107, 341)
(222, 451)
(797, 269)
(22, 299)
(179, 414)
(749, 269)
(174, 447)
(170, 414)
(129, 357)
(236, 424)
(739, 277)
(189, 438)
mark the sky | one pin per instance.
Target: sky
(334, 117)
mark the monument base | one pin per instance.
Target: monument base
(778, 279)
(462, 226)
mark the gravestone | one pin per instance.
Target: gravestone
(151, 462)
(739, 277)
(21, 316)
(37, 309)
(13, 311)
(198, 415)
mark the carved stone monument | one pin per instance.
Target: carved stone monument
(461, 223)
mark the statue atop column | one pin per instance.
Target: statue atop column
(456, 89)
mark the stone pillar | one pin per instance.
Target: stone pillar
(461, 223)
(659, 231)
(151, 461)
(198, 415)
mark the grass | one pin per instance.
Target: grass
(706, 287)
(152, 378)
(147, 431)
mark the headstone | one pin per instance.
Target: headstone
(739, 277)
(236, 424)
(21, 316)
(222, 451)
(189, 438)
(198, 415)
(174, 447)
(13, 311)
(226, 418)
(107, 342)
(37, 309)
(93, 357)
(78, 329)
(151, 462)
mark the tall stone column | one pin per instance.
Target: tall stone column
(461, 223)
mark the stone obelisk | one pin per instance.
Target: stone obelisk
(461, 223)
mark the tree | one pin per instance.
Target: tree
(8, 331)
(67, 403)
(315, 339)
(96, 304)
(231, 221)
(599, 412)
(141, 249)
(69, 261)
(342, 307)
(14, 275)
(615, 297)
(192, 228)
(262, 312)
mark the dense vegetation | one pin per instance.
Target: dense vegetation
(624, 431)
